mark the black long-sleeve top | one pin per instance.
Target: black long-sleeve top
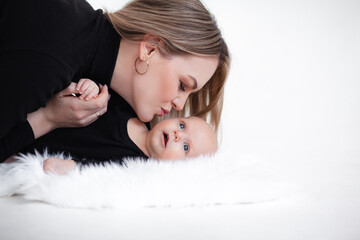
(104, 140)
(44, 46)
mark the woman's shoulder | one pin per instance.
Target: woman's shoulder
(38, 23)
(60, 9)
(47, 5)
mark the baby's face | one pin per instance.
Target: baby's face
(179, 138)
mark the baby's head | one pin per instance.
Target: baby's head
(180, 138)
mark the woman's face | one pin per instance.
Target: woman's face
(168, 83)
(180, 138)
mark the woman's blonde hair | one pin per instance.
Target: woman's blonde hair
(182, 27)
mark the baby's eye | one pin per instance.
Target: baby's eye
(186, 147)
(182, 126)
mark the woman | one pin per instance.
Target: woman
(153, 54)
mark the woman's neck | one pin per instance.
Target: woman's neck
(137, 132)
(121, 81)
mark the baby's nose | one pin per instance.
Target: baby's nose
(177, 135)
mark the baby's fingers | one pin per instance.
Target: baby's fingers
(80, 84)
(85, 93)
(92, 94)
(85, 88)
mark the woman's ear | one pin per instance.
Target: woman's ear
(148, 46)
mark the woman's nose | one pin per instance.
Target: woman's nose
(178, 103)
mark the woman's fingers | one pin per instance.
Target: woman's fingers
(69, 90)
(96, 104)
(104, 94)
(65, 111)
(95, 116)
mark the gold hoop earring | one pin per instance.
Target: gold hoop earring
(136, 64)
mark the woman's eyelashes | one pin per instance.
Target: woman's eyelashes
(182, 86)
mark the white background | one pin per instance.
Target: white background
(295, 77)
(292, 98)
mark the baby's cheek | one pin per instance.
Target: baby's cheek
(171, 154)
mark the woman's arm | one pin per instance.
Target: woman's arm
(64, 110)
(61, 110)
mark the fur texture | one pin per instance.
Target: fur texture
(205, 180)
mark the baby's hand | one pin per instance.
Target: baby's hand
(58, 165)
(87, 88)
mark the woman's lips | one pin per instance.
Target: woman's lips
(163, 111)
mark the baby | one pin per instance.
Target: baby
(171, 139)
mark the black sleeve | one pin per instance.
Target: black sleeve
(19, 136)
(28, 80)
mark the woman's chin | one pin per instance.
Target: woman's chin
(145, 117)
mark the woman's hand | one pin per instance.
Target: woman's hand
(65, 110)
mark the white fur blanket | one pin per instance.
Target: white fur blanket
(205, 180)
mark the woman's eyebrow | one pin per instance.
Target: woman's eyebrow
(195, 83)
